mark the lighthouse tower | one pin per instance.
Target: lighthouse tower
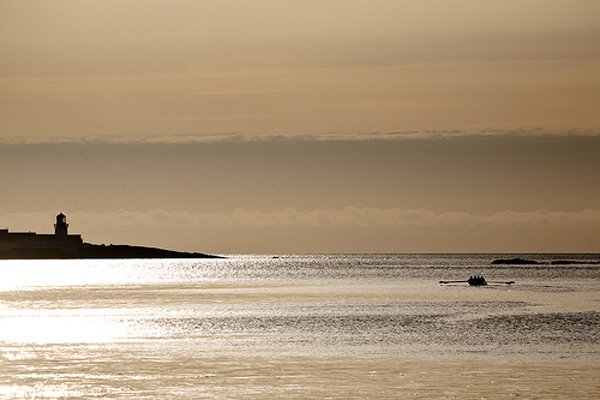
(61, 226)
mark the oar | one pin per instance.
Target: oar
(443, 282)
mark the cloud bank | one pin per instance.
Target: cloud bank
(344, 230)
(237, 137)
(348, 217)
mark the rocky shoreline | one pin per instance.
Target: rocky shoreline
(99, 251)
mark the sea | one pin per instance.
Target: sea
(347, 326)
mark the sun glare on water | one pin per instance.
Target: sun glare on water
(40, 329)
(44, 321)
(31, 274)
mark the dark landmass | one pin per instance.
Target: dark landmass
(571, 262)
(98, 251)
(515, 261)
(521, 261)
(62, 245)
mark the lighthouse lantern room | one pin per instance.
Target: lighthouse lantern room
(61, 226)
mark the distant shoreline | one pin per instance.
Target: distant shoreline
(62, 245)
(523, 261)
(99, 251)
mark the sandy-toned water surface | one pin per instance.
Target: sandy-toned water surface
(360, 326)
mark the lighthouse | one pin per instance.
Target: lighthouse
(34, 245)
(61, 226)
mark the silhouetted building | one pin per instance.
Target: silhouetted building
(61, 226)
(31, 242)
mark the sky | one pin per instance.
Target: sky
(304, 126)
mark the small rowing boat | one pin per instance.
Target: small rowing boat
(478, 281)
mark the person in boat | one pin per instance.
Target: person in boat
(476, 280)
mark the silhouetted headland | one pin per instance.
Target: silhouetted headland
(521, 261)
(515, 261)
(62, 245)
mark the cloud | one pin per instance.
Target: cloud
(295, 137)
(348, 217)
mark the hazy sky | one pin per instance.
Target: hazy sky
(252, 126)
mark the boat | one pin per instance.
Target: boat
(478, 280)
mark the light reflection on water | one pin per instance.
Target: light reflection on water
(25, 274)
(60, 329)
(229, 328)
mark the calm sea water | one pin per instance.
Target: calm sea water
(322, 326)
